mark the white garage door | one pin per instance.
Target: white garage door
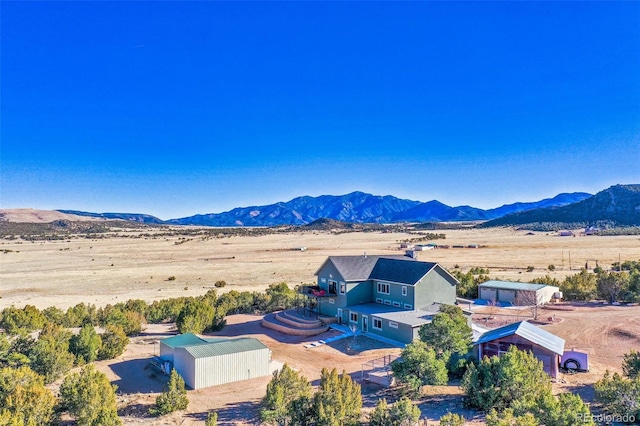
(488, 293)
(507, 296)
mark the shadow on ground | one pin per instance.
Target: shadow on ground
(231, 414)
(138, 376)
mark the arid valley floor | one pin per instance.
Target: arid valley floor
(132, 265)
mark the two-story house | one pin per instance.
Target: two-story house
(391, 296)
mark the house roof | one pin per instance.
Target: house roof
(527, 331)
(400, 271)
(224, 347)
(509, 285)
(412, 318)
(399, 268)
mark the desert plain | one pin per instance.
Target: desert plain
(138, 264)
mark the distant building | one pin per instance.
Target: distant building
(204, 362)
(517, 293)
(545, 346)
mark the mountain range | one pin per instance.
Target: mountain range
(619, 205)
(356, 207)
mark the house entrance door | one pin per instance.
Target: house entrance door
(339, 315)
(365, 323)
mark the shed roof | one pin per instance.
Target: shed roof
(510, 285)
(183, 340)
(224, 347)
(529, 332)
(399, 268)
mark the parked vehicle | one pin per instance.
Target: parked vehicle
(574, 360)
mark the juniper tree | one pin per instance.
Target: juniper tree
(338, 401)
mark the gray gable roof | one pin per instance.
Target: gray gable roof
(527, 331)
(400, 271)
(399, 268)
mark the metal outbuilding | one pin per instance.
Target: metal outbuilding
(210, 362)
(545, 346)
(516, 293)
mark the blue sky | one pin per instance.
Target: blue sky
(179, 108)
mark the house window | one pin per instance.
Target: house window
(404, 290)
(343, 288)
(408, 306)
(332, 301)
(377, 324)
(383, 288)
(396, 304)
(393, 324)
(387, 302)
(353, 317)
(323, 280)
(332, 287)
(379, 300)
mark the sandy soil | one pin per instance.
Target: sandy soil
(64, 273)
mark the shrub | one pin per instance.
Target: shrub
(171, 278)
(530, 268)
(551, 267)
(220, 284)
(620, 396)
(85, 345)
(195, 317)
(631, 364)
(90, 398)
(338, 400)
(50, 355)
(497, 382)
(419, 366)
(114, 342)
(451, 419)
(212, 419)
(24, 400)
(285, 388)
(25, 320)
(174, 397)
